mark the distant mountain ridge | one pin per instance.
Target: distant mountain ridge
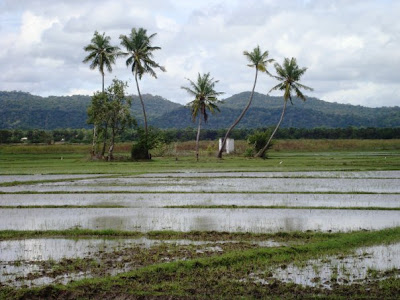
(19, 110)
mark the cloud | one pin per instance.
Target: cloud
(349, 47)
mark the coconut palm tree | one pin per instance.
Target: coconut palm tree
(259, 61)
(140, 52)
(101, 55)
(289, 75)
(205, 99)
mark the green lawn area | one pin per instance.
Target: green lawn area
(299, 155)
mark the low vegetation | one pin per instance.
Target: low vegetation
(192, 272)
(286, 155)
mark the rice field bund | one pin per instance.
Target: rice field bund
(232, 228)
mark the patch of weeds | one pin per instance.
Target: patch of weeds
(372, 273)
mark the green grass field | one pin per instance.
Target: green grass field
(292, 155)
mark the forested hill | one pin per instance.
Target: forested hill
(26, 111)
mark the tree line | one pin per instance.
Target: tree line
(10, 136)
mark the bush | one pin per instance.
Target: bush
(258, 141)
(141, 149)
(249, 152)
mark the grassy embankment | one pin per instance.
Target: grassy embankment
(287, 155)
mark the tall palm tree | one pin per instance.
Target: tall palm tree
(101, 54)
(205, 99)
(259, 61)
(289, 75)
(140, 52)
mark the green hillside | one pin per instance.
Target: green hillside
(19, 110)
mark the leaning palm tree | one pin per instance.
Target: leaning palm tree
(259, 60)
(140, 52)
(289, 75)
(101, 54)
(205, 99)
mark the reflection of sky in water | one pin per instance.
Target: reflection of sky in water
(348, 269)
(160, 200)
(235, 220)
(59, 248)
(365, 174)
(11, 178)
(387, 185)
(18, 258)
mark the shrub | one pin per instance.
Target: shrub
(141, 149)
(258, 140)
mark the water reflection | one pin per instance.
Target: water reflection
(106, 222)
(160, 200)
(233, 220)
(345, 270)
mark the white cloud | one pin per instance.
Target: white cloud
(349, 47)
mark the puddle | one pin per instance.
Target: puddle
(168, 199)
(366, 264)
(232, 220)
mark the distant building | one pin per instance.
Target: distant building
(24, 139)
(229, 145)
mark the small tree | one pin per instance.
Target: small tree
(97, 115)
(205, 99)
(111, 111)
(257, 141)
(101, 55)
(144, 143)
(289, 75)
(118, 112)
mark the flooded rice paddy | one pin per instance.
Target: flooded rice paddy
(195, 219)
(32, 262)
(141, 202)
(305, 201)
(364, 265)
(213, 184)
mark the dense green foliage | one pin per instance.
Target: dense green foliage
(20, 110)
(8, 136)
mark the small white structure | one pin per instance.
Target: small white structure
(24, 139)
(229, 145)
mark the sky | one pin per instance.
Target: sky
(351, 48)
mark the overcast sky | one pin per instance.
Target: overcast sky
(350, 47)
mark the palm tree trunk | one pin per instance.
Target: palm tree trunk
(198, 138)
(239, 118)
(94, 126)
(141, 101)
(264, 149)
(102, 83)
